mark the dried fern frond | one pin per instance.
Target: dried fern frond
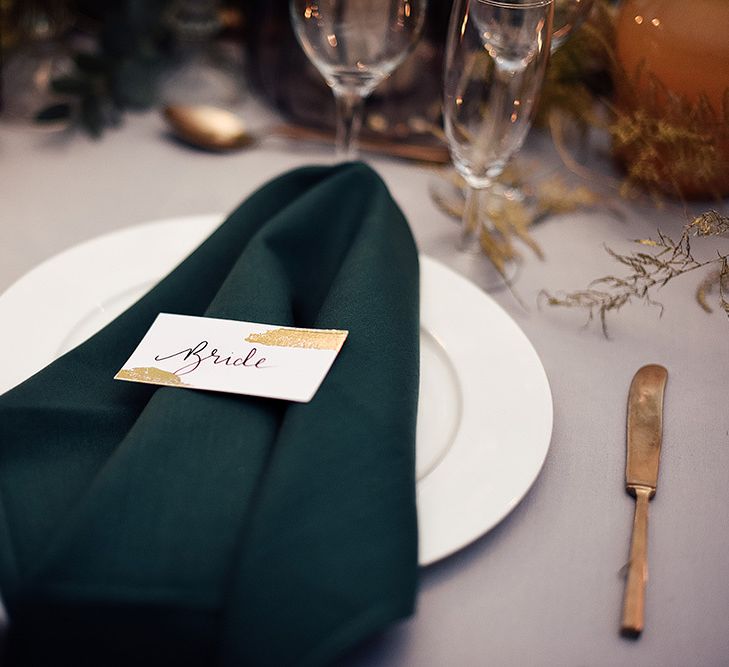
(510, 220)
(710, 223)
(667, 142)
(649, 270)
(718, 278)
(554, 196)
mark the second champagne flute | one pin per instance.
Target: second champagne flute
(496, 55)
(356, 44)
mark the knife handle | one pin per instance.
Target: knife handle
(634, 600)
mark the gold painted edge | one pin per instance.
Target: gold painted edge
(150, 375)
(312, 339)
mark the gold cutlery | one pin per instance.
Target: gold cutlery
(217, 129)
(208, 127)
(644, 433)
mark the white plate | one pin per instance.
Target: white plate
(485, 413)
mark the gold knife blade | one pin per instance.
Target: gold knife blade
(644, 435)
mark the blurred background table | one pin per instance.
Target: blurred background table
(545, 586)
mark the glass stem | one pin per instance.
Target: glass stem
(350, 106)
(470, 225)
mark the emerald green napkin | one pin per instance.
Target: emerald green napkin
(143, 525)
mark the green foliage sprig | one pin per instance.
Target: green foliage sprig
(131, 46)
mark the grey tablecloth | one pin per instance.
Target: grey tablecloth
(545, 586)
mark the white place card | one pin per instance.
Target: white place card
(238, 357)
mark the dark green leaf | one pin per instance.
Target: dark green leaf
(53, 113)
(91, 63)
(92, 117)
(71, 85)
(134, 85)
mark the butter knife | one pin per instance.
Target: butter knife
(644, 432)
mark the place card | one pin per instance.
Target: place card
(231, 356)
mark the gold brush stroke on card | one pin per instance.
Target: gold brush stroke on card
(313, 339)
(149, 375)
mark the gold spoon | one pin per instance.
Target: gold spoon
(208, 127)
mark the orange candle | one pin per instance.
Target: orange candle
(685, 44)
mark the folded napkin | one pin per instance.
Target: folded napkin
(144, 525)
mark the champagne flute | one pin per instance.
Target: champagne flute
(496, 55)
(356, 44)
(568, 17)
